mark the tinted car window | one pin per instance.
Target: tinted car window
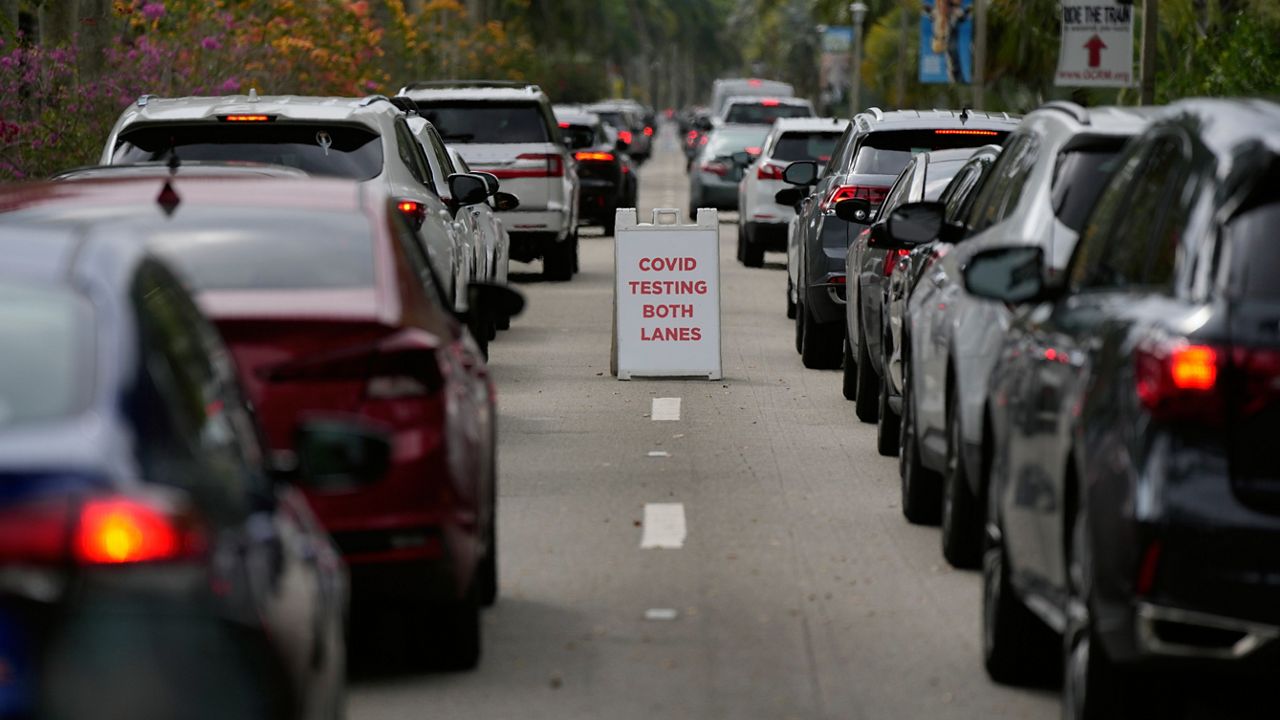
(1256, 253)
(579, 136)
(887, 152)
(994, 201)
(1077, 179)
(331, 150)
(411, 154)
(764, 114)
(256, 250)
(486, 121)
(938, 176)
(46, 354)
(1143, 245)
(898, 194)
(794, 146)
(964, 189)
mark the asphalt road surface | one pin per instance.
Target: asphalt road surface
(799, 590)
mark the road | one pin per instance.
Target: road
(799, 592)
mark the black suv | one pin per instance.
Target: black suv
(866, 161)
(1135, 493)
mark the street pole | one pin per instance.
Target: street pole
(980, 54)
(819, 101)
(900, 72)
(859, 12)
(1150, 35)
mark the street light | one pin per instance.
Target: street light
(858, 11)
(821, 100)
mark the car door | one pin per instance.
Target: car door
(809, 220)
(470, 223)
(1126, 260)
(266, 556)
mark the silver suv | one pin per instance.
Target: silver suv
(366, 139)
(1040, 191)
(509, 130)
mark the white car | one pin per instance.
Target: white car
(753, 110)
(366, 139)
(725, 88)
(762, 222)
(508, 129)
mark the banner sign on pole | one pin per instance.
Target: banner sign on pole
(667, 296)
(1097, 44)
(946, 42)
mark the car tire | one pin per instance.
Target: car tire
(866, 402)
(742, 243)
(820, 344)
(751, 255)
(611, 226)
(800, 327)
(1017, 648)
(502, 323)
(888, 424)
(962, 520)
(459, 632)
(557, 262)
(487, 575)
(573, 250)
(791, 305)
(921, 487)
(849, 372)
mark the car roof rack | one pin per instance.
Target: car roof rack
(408, 105)
(146, 98)
(467, 84)
(1077, 112)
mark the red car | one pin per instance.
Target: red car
(331, 309)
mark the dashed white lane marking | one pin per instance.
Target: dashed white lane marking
(663, 526)
(661, 614)
(659, 453)
(665, 409)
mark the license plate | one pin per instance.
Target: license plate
(16, 683)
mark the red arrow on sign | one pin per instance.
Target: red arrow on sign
(1095, 46)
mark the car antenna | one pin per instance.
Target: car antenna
(964, 115)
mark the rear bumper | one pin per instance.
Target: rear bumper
(554, 222)
(717, 195)
(528, 246)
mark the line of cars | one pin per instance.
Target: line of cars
(1066, 327)
(244, 393)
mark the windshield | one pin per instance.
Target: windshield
(817, 146)
(46, 353)
(318, 149)
(764, 113)
(487, 122)
(728, 142)
(888, 152)
(269, 250)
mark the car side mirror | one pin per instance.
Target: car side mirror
(494, 300)
(854, 210)
(801, 172)
(468, 189)
(789, 197)
(491, 181)
(340, 454)
(505, 202)
(915, 223)
(1014, 274)
(742, 158)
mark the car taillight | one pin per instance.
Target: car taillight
(692, 135)
(891, 259)
(114, 531)
(715, 167)
(770, 103)
(648, 131)
(625, 136)
(564, 126)
(531, 165)
(770, 171)
(413, 211)
(872, 193)
(594, 157)
(1179, 381)
(35, 532)
(404, 366)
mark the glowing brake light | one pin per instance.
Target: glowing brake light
(770, 103)
(693, 134)
(1194, 368)
(564, 126)
(987, 133)
(625, 136)
(246, 118)
(1178, 381)
(648, 131)
(595, 156)
(754, 83)
(116, 531)
(874, 194)
(413, 211)
(770, 171)
(753, 150)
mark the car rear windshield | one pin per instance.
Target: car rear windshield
(331, 150)
(1078, 179)
(888, 152)
(616, 119)
(764, 113)
(486, 121)
(579, 136)
(727, 142)
(225, 249)
(1256, 249)
(46, 353)
(817, 146)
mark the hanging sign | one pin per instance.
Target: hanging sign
(1097, 44)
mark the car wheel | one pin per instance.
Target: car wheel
(962, 520)
(557, 262)
(849, 373)
(611, 226)
(800, 327)
(573, 250)
(1017, 648)
(865, 405)
(488, 573)
(888, 424)
(752, 255)
(921, 501)
(742, 243)
(791, 305)
(458, 632)
(820, 345)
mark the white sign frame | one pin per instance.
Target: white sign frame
(1096, 49)
(666, 320)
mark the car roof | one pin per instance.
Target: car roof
(205, 168)
(290, 107)
(832, 124)
(532, 93)
(577, 117)
(38, 254)
(1103, 120)
(1227, 124)
(875, 119)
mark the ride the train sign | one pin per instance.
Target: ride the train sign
(1097, 44)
